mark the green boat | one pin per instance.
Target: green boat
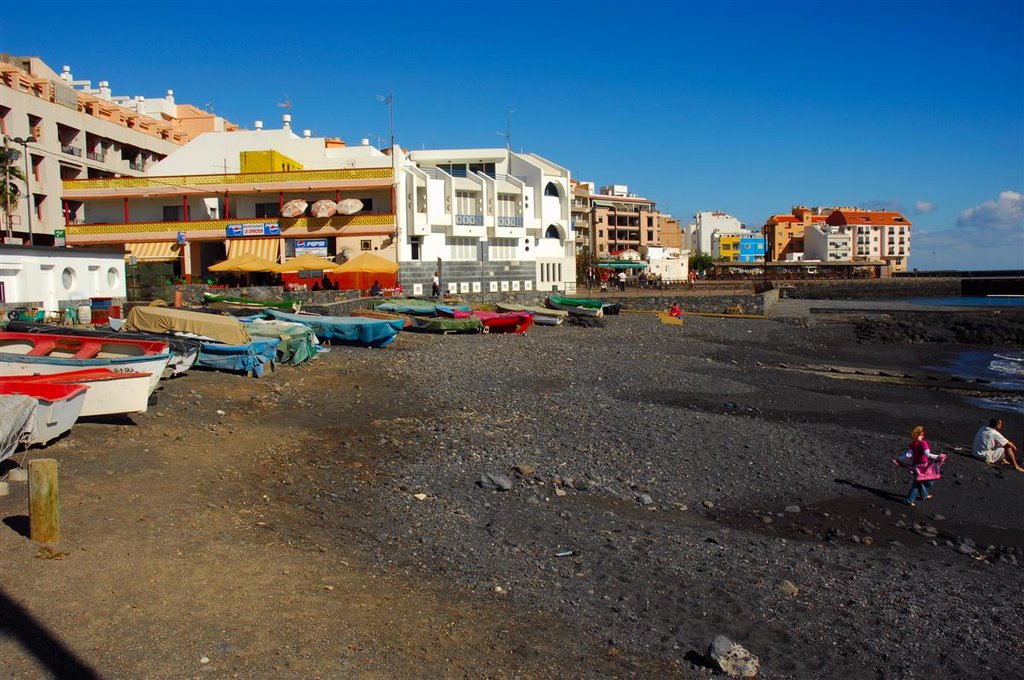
(444, 324)
(246, 304)
(580, 305)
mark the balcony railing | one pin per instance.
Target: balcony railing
(71, 150)
(138, 167)
(247, 179)
(368, 221)
(469, 220)
(98, 156)
(504, 221)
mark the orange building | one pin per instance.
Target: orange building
(876, 235)
(785, 233)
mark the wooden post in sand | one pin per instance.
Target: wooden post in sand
(43, 501)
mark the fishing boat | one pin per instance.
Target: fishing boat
(576, 310)
(452, 312)
(378, 314)
(252, 357)
(542, 316)
(183, 350)
(445, 325)
(36, 353)
(569, 304)
(504, 322)
(239, 306)
(110, 392)
(346, 330)
(201, 325)
(417, 307)
(16, 411)
(56, 410)
(298, 341)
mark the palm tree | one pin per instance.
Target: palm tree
(10, 194)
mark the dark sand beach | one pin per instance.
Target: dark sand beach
(668, 484)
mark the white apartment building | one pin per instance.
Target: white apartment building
(699, 233)
(494, 220)
(876, 235)
(827, 243)
(79, 132)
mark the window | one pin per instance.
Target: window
(650, 235)
(367, 205)
(67, 278)
(415, 244)
(113, 277)
(551, 189)
(461, 248)
(172, 213)
(502, 249)
(552, 232)
(365, 244)
(267, 209)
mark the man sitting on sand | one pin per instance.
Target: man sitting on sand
(991, 446)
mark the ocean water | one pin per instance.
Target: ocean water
(1003, 369)
(991, 301)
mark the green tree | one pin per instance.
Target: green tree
(701, 263)
(10, 175)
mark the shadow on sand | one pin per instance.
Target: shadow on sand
(19, 625)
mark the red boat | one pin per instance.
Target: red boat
(504, 322)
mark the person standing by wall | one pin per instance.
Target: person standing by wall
(435, 286)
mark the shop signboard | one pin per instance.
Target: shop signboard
(311, 246)
(264, 229)
(58, 238)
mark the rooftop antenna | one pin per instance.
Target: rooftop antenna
(208, 106)
(507, 134)
(286, 104)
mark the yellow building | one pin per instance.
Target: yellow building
(267, 161)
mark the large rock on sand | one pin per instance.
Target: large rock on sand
(734, 660)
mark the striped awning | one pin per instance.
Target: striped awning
(153, 251)
(264, 248)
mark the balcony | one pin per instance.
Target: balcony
(98, 156)
(71, 150)
(473, 220)
(503, 221)
(361, 224)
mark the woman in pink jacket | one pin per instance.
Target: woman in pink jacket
(924, 464)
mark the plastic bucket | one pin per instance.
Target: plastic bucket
(84, 314)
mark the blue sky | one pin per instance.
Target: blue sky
(747, 107)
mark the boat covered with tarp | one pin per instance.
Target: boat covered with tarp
(345, 330)
(378, 314)
(578, 305)
(444, 324)
(217, 327)
(251, 357)
(298, 341)
(417, 307)
(504, 322)
(542, 316)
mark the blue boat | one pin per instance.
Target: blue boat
(345, 330)
(248, 358)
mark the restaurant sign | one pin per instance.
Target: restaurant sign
(265, 229)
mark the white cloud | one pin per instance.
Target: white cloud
(965, 249)
(923, 207)
(1004, 214)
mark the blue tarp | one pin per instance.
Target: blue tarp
(248, 357)
(348, 330)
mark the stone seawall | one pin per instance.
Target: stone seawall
(858, 289)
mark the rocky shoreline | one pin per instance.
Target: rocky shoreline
(575, 502)
(660, 486)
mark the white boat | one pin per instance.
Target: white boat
(37, 354)
(110, 392)
(541, 315)
(16, 412)
(57, 407)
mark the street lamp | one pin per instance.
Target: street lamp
(28, 187)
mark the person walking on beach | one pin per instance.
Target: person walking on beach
(924, 464)
(991, 446)
(435, 285)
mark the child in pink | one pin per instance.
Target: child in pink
(924, 464)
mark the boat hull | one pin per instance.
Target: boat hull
(16, 413)
(12, 365)
(57, 408)
(110, 392)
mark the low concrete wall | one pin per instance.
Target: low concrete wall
(710, 304)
